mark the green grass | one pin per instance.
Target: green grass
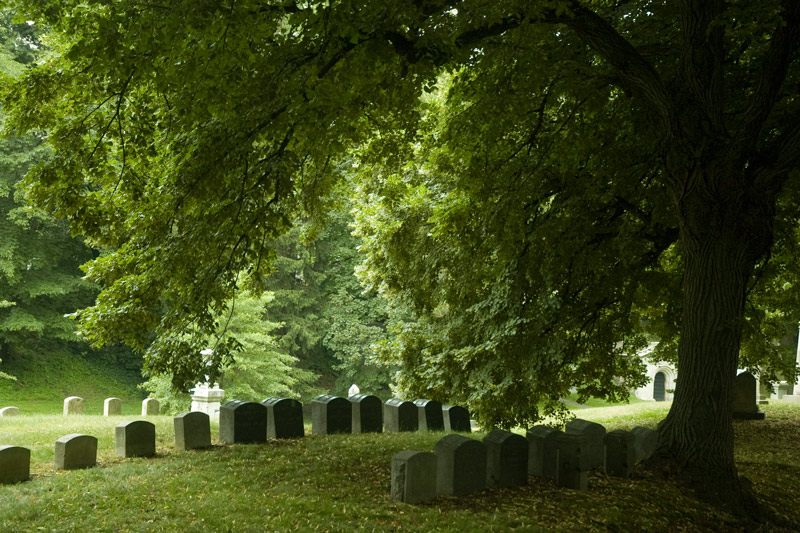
(341, 483)
(45, 380)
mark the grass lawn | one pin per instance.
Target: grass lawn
(341, 483)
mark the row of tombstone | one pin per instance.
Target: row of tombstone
(73, 405)
(240, 422)
(282, 418)
(136, 438)
(461, 465)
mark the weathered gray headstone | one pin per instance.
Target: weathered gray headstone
(460, 465)
(192, 430)
(620, 453)
(413, 476)
(506, 459)
(331, 414)
(75, 451)
(645, 442)
(456, 418)
(9, 411)
(744, 398)
(242, 422)
(595, 452)
(15, 464)
(135, 439)
(112, 407)
(149, 407)
(367, 413)
(573, 462)
(73, 405)
(400, 415)
(543, 451)
(284, 418)
(429, 415)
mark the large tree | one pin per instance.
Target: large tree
(188, 135)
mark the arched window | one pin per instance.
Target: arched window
(659, 388)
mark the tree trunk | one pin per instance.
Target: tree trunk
(723, 236)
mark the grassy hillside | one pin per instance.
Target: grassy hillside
(44, 380)
(341, 483)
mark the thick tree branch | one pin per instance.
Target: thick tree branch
(782, 50)
(636, 74)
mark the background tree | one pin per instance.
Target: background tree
(189, 136)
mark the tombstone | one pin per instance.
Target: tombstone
(242, 422)
(353, 390)
(284, 418)
(9, 411)
(331, 414)
(620, 453)
(506, 459)
(744, 398)
(150, 407)
(75, 451)
(595, 451)
(460, 465)
(413, 476)
(430, 416)
(112, 407)
(645, 442)
(400, 415)
(15, 464)
(367, 413)
(207, 399)
(573, 461)
(73, 406)
(456, 418)
(192, 431)
(543, 451)
(135, 439)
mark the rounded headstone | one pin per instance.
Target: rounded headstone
(15, 464)
(284, 418)
(73, 405)
(192, 430)
(460, 465)
(9, 411)
(242, 422)
(400, 415)
(112, 407)
(506, 459)
(367, 413)
(429, 415)
(150, 407)
(456, 418)
(135, 439)
(331, 414)
(75, 451)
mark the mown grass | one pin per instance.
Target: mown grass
(341, 483)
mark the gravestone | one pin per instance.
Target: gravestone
(573, 461)
(135, 439)
(242, 422)
(543, 451)
(400, 415)
(430, 416)
(149, 407)
(112, 407)
(456, 418)
(645, 442)
(15, 464)
(460, 465)
(192, 430)
(744, 398)
(506, 459)
(75, 451)
(367, 413)
(620, 453)
(284, 418)
(9, 411)
(595, 433)
(331, 414)
(73, 405)
(353, 390)
(413, 476)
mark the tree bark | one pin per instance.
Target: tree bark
(725, 230)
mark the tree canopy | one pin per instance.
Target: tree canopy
(542, 184)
